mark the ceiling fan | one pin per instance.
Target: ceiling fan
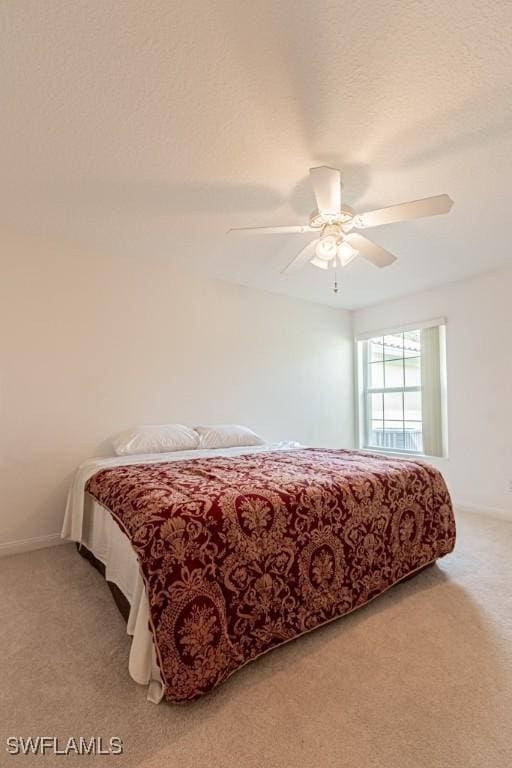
(334, 223)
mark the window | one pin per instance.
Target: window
(402, 391)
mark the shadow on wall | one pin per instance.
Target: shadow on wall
(104, 448)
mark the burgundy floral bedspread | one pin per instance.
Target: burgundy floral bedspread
(242, 554)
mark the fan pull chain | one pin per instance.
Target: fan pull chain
(335, 286)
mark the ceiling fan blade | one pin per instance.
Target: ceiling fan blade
(301, 258)
(370, 250)
(293, 229)
(428, 206)
(327, 188)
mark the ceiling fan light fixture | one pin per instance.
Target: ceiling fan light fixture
(321, 263)
(326, 248)
(333, 224)
(346, 253)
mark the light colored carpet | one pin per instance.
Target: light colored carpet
(421, 678)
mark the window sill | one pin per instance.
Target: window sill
(404, 454)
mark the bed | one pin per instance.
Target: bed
(223, 555)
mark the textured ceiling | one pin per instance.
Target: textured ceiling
(150, 128)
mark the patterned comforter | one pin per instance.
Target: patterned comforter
(241, 554)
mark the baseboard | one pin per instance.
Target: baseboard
(27, 545)
(475, 509)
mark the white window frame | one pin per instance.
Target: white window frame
(363, 392)
(369, 391)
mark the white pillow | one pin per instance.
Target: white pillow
(227, 436)
(160, 438)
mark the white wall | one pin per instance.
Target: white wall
(91, 344)
(479, 368)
